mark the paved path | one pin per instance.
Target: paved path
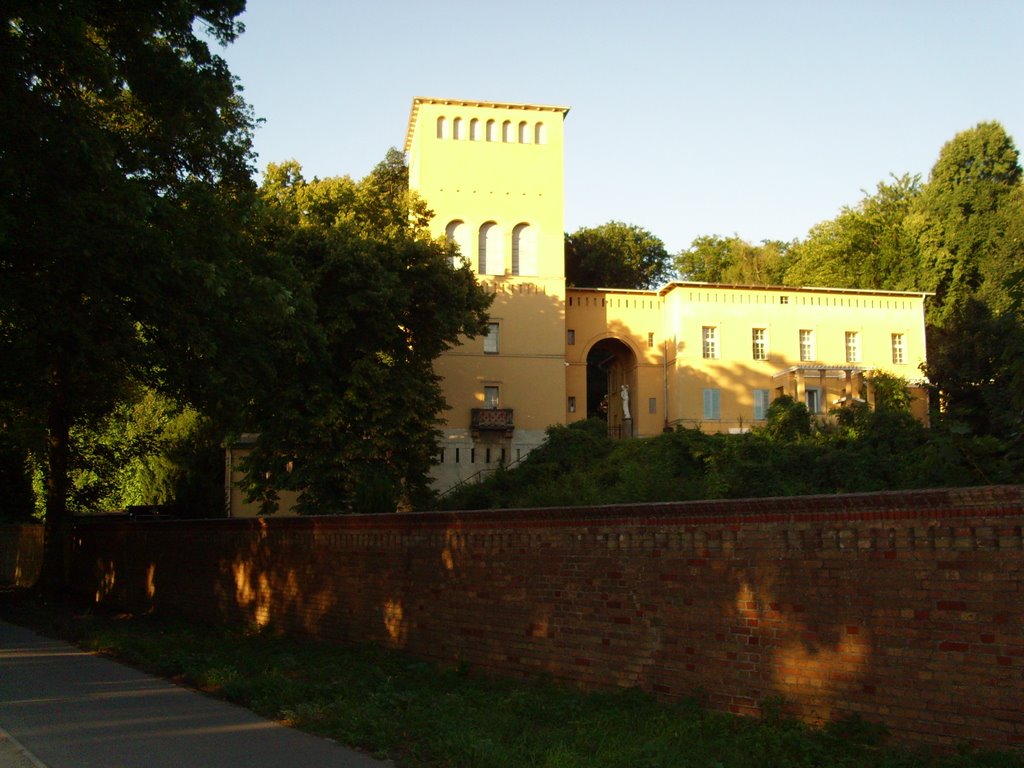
(63, 708)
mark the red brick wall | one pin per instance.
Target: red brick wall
(905, 608)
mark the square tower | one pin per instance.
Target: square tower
(493, 174)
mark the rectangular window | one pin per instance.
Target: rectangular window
(712, 404)
(710, 341)
(761, 403)
(899, 352)
(458, 458)
(650, 341)
(652, 405)
(806, 345)
(441, 459)
(812, 398)
(572, 404)
(783, 299)
(759, 340)
(490, 397)
(852, 347)
(491, 339)
(570, 337)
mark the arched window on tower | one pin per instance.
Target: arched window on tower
(457, 232)
(524, 250)
(457, 128)
(524, 133)
(540, 134)
(506, 131)
(474, 130)
(492, 130)
(442, 127)
(491, 260)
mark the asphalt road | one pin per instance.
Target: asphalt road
(63, 708)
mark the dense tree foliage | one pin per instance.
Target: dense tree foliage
(968, 222)
(962, 218)
(862, 450)
(616, 255)
(352, 420)
(124, 156)
(868, 245)
(147, 451)
(715, 259)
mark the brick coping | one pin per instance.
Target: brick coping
(982, 501)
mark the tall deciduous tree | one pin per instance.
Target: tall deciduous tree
(353, 423)
(868, 245)
(616, 255)
(962, 219)
(715, 259)
(969, 221)
(124, 154)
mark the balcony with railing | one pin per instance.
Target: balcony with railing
(491, 420)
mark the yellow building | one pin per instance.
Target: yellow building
(493, 175)
(692, 354)
(715, 356)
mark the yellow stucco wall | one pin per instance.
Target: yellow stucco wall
(634, 320)
(667, 370)
(828, 314)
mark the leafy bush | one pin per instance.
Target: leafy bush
(859, 451)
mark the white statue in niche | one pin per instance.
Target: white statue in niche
(624, 394)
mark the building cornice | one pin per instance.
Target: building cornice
(421, 100)
(790, 289)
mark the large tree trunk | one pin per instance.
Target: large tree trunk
(53, 579)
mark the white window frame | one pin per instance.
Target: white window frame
(899, 349)
(457, 232)
(759, 343)
(490, 249)
(807, 351)
(853, 346)
(492, 396)
(709, 342)
(492, 339)
(524, 249)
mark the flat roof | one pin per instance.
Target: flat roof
(737, 286)
(418, 100)
(790, 289)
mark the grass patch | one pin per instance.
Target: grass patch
(423, 715)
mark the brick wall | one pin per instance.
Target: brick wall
(906, 608)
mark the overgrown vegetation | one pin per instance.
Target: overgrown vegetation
(424, 716)
(791, 455)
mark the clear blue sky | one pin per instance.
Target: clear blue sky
(754, 118)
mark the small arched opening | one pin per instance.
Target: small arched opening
(611, 365)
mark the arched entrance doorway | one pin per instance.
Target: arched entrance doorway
(610, 365)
